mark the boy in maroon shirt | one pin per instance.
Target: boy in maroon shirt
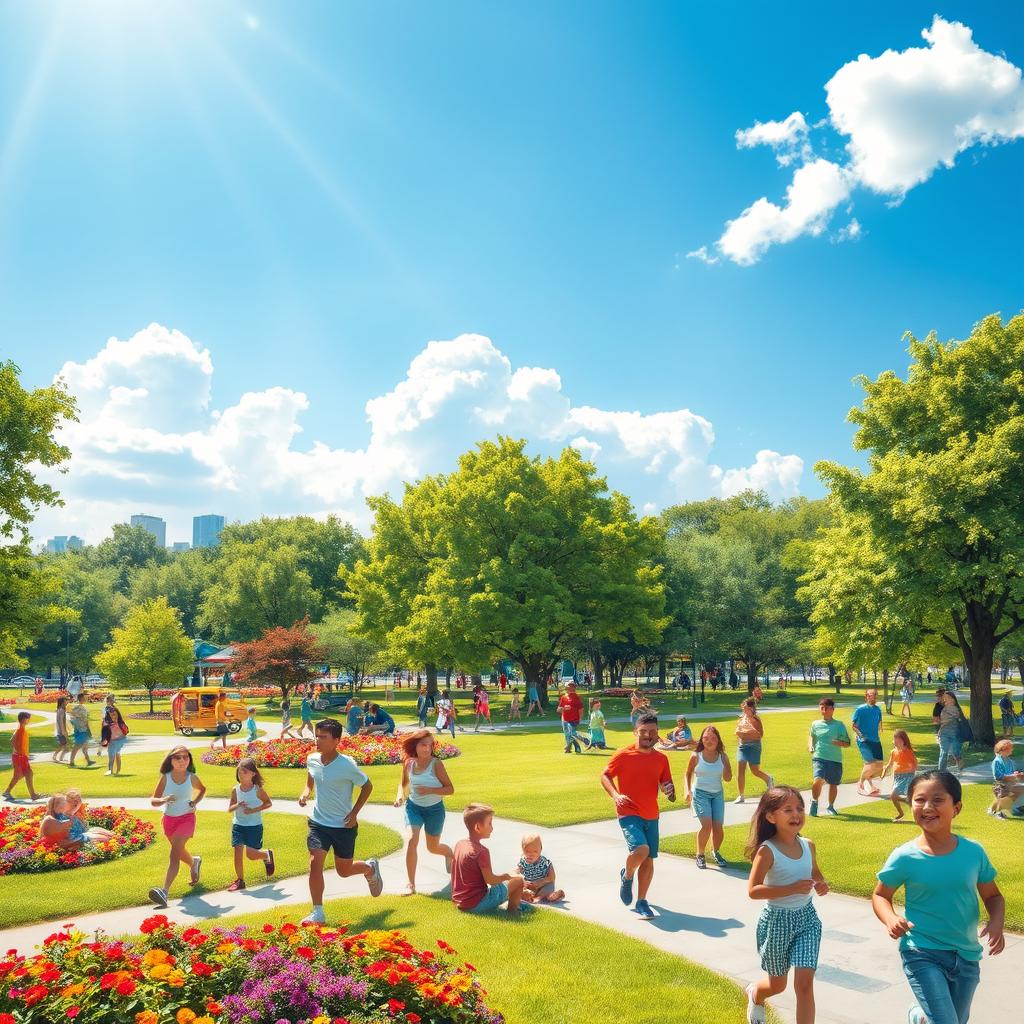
(475, 887)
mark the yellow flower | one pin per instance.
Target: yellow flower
(320, 1020)
(225, 947)
(176, 978)
(184, 1016)
(156, 956)
(207, 1020)
(160, 971)
(71, 991)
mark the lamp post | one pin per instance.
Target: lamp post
(693, 682)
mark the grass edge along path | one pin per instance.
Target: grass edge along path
(124, 882)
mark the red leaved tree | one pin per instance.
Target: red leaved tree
(280, 657)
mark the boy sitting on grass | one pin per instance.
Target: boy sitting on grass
(475, 887)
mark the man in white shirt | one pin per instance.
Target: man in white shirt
(333, 825)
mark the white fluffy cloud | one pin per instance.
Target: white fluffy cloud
(900, 115)
(148, 440)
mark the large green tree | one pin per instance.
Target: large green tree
(940, 501)
(150, 650)
(510, 555)
(344, 648)
(183, 580)
(127, 550)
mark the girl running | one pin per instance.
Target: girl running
(248, 802)
(784, 872)
(178, 792)
(903, 762)
(597, 726)
(481, 706)
(514, 708)
(749, 733)
(708, 768)
(426, 780)
(943, 875)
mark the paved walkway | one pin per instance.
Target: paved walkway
(704, 916)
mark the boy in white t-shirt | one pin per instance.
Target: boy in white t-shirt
(333, 825)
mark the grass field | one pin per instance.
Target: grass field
(852, 847)
(63, 895)
(522, 963)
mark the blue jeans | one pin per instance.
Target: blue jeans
(943, 981)
(569, 732)
(950, 745)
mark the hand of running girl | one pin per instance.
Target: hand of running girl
(996, 940)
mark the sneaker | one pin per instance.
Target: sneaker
(236, 886)
(408, 890)
(625, 888)
(991, 812)
(270, 864)
(814, 808)
(740, 800)
(719, 859)
(108, 772)
(915, 1015)
(374, 881)
(158, 896)
(1001, 816)
(831, 810)
(316, 916)
(197, 865)
(643, 909)
(701, 862)
(755, 1013)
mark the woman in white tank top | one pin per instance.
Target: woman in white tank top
(784, 873)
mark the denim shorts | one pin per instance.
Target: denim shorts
(749, 752)
(901, 783)
(640, 832)
(830, 771)
(247, 835)
(429, 817)
(709, 805)
(870, 750)
(114, 746)
(492, 899)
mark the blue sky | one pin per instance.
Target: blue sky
(313, 192)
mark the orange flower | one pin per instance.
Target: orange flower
(146, 1017)
(184, 1016)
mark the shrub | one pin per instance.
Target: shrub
(23, 852)
(175, 975)
(364, 750)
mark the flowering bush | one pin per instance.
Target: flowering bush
(151, 716)
(50, 697)
(364, 750)
(174, 975)
(23, 852)
(8, 701)
(623, 691)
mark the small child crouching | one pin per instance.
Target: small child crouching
(475, 887)
(537, 872)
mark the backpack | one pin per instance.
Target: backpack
(964, 732)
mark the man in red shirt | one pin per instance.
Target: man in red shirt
(570, 707)
(632, 779)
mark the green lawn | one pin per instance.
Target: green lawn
(852, 847)
(523, 968)
(63, 895)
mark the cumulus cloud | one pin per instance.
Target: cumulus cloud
(148, 439)
(900, 116)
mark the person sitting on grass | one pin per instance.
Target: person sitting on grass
(679, 738)
(903, 762)
(20, 760)
(353, 717)
(80, 827)
(1008, 783)
(537, 872)
(379, 722)
(55, 828)
(476, 889)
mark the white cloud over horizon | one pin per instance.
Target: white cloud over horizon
(149, 441)
(900, 117)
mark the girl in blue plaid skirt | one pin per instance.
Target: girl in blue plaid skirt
(785, 873)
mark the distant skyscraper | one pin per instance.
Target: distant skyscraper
(180, 545)
(57, 545)
(154, 525)
(206, 530)
(75, 543)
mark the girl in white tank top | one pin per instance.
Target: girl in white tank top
(784, 872)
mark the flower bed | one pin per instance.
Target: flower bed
(51, 696)
(175, 975)
(22, 852)
(151, 716)
(364, 750)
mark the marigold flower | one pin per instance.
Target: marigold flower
(184, 1016)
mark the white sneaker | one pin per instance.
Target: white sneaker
(755, 1013)
(739, 800)
(108, 772)
(316, 916)
(915, 1015)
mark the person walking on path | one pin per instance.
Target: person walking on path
(867, 727)
(784, 871)
(81, 734)
(749, 733)
(422, 788)
(334, 823)
(1007, 715)
(178, 792)
(825, 745)
(287, 732)
(113, 734)
(533, 700)
(60, 731)
(422, 707)
(903, 762)
(632, 779)
(20, 760)
(570, 708)
(306, 715)
(942, 875)
(907, 696)
(708, 768)
(249, 799)
(951, 742)
(515, 713)
(220, 709)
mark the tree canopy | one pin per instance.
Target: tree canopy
(285, 657)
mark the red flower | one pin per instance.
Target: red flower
(151, 924)
(203, 970)
(394, 1005)
(305, 952)
(213, 1008)
(126, 987)
(413, 1018)
(34, 994)
(73, 1011)
(267, 929)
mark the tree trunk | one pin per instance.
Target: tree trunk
(599, 670)
(151, 699)
(662, 672)
(431, 680)
(979, 663)
(475, 678)
(833, 678)
(533, 670)
(886, 695)
(751, 677)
